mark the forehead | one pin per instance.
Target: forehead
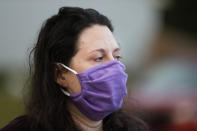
(97, 36)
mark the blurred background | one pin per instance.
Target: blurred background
(158, 45)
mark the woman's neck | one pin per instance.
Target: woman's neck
(82, 121)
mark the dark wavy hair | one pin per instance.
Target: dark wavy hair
(57, 42)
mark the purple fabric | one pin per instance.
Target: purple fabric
(103, 89)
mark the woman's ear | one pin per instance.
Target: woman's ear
(60, 75)
(66, 79)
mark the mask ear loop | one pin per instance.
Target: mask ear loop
(73, 71)
(65, 92)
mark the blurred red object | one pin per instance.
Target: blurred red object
(188, 126)
(166, 100)
(166, 110)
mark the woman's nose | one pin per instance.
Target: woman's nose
(110, 57)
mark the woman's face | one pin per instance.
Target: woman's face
(96, 45)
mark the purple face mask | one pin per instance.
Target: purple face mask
(103, 88)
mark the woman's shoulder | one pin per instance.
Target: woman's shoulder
(20, 123)
(125, 121)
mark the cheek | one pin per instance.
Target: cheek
(82, 65)
(81, 62)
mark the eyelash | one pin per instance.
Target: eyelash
(101, 58)
(118, 57)
(98, 59)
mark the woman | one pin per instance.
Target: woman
(78, 82)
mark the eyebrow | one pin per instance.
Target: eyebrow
(103, 50)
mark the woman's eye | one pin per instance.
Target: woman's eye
(98, 59)
(118, 57)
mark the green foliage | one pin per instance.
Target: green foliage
(10, 107)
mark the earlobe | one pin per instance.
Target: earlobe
(60, 80)
(59, 76)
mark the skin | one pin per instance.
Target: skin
(96, 45)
